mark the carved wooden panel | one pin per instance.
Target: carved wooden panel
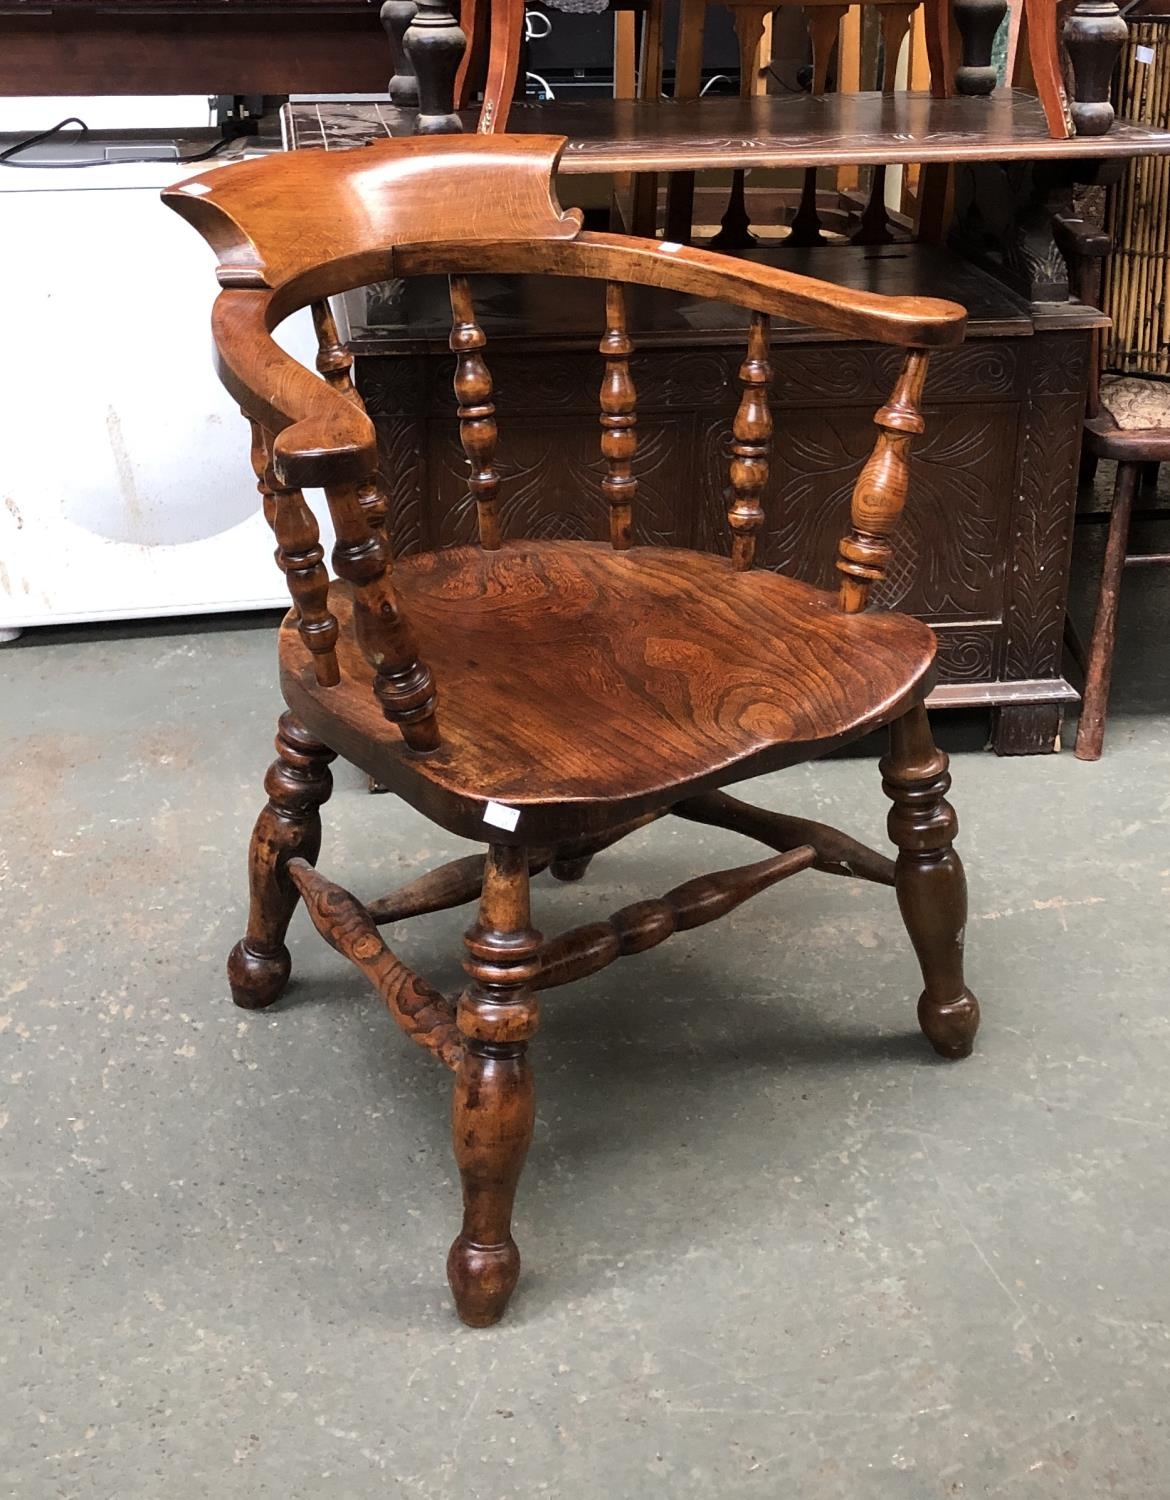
(860, 374)
(390, 387)
(1041, 537)
(400, 464)
(948, 559)
(967, 655)
(550, 486)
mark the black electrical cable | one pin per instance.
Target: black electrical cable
(9, 152)
(35, 140)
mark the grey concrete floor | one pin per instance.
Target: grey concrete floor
(772, 1247)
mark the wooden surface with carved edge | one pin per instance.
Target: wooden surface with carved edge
(547, 697)
(615, 135)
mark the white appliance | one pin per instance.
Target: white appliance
(125, 486)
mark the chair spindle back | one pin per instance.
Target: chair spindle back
(477, 412)
(751, 445)
(300, 557)
(619, 418)
(335, 364)
(864, 553)
(362, 557)
(293, 231)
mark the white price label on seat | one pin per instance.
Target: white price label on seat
(500, 816)
(1144, 54)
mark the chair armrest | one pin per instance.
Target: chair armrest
(918, 322)
(923, 322)
(321, 438)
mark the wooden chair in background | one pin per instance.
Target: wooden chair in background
(545, 698)
(1123, 269)
(493, 39)
(958, 37)
(826, 21)
(430, 49)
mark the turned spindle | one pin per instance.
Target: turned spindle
(875, 227)
(751, 443)
(735, 226)
(300, 557)
(258, 455)
(619, 418)
(335, 363)
(977, 21)
(834, 852)
(477, 412)
(425, 1015)
(864, 554)
(645, 924)
(824, 29)
(1094, 34)
(435, 46)
(403, 683)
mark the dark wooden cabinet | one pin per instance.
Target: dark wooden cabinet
(984, 542)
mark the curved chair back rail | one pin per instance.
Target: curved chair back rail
(308, 225)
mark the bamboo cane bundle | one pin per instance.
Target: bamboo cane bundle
(1136, 290)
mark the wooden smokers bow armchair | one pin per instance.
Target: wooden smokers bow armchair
(545, 698)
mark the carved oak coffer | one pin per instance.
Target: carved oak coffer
(983, 546)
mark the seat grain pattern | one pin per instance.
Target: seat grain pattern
(582, 683)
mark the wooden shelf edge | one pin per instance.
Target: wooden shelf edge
(605, 135)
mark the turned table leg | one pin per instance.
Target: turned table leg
(434, 45)
(1094, 34)
(494, 1103)
(929, 880)
(396, 16)
(297, 783)
(977, 22)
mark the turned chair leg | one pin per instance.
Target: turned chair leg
(1099, 665)
(929, 880)
(570, 869)
(289, 825)
(494, 1104)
